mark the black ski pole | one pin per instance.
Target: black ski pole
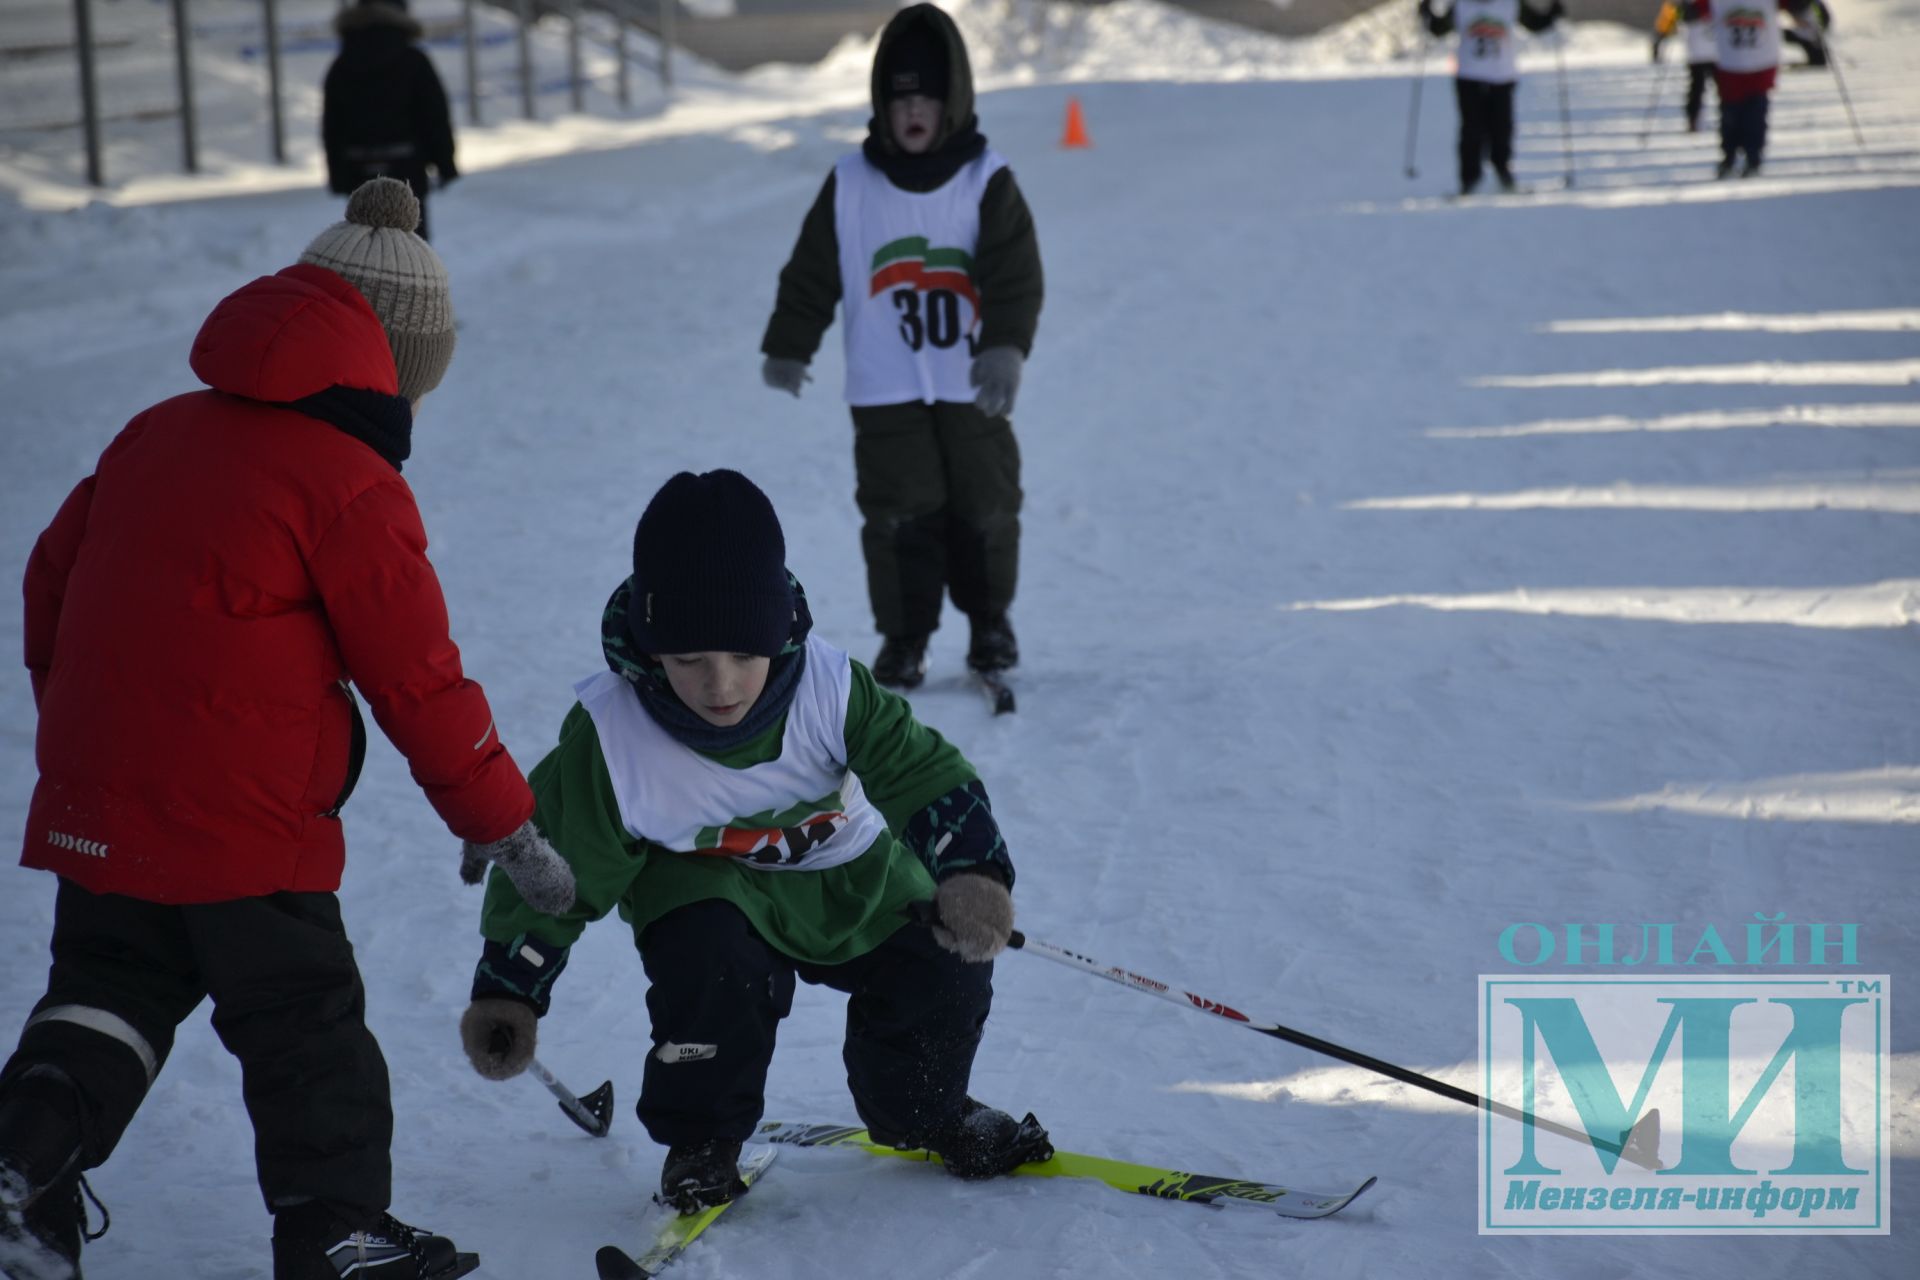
(1840, 82)
(1640, 1145)
(1653, 104)
(1413, 114)
(1566, 112)
(594, 1113)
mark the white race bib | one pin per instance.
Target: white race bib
(804, 811)
(907, 290)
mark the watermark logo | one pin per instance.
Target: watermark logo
(1709, 1105)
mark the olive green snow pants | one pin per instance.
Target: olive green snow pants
(939, 488)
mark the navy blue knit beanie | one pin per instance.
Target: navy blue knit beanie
(710, 570)
(915, 62)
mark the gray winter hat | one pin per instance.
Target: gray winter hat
(399, 274)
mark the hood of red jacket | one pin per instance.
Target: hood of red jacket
(291, 335)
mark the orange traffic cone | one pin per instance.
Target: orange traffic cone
(1076, 133)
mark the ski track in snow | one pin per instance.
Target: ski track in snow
(1311, 706)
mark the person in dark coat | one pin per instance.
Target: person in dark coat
(197, 616)
(383, 111)
(926, 246)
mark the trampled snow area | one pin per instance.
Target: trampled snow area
(1397, 569)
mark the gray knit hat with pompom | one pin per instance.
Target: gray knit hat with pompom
(399, 274)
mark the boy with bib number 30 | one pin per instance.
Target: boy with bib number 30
(923, 239)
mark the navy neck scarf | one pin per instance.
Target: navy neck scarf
(382, 422)
(687, 727)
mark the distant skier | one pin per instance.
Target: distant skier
(194, 615)
(1484, 75)
(1701, 51)
(383, 111)
(1747, 59)
(759, 810)
(923, 239)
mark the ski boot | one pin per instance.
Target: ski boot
(312, 1242)
(980, 1142)
(993, 647)
(42, 1241)
(42, 1218)
(700, 1175)
(902, 662)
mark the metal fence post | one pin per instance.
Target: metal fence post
(274, 115)
(622, 15)
(526, 61)
(473, 68)
(89, 97)
(667, 8)
(576, 91)
(183, 67)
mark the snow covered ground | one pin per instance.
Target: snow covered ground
(1397, 569)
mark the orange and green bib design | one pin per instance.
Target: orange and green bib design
(911, 262)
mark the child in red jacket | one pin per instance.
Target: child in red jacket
(197, 616)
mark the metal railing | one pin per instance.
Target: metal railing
(656, 17)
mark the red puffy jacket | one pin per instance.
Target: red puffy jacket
(197, 605)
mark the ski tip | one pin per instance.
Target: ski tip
(613, 1263)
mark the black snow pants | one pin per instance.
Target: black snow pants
(1486, 129)
(915, 1012)
(938, 486)
(1743, 128)
(1698, 73)
(287, 1002)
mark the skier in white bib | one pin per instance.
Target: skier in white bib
(924, 243)
(1486, 68)
(1746, 37)
(1701, 51)
(758, 810)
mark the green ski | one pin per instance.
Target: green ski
(1137, 1179)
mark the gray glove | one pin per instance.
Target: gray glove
(996, 371)
(542, 876)
(973, 915)
(785, 375)
(499, 1035)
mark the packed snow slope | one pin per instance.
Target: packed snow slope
(1397, 569)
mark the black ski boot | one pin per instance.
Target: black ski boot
(42, 1242)
(902, 662)
(981, 1142)
(312, 1242)
(42, 1218)
(700, 1175)
(993, 647)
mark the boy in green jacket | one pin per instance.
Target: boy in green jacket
(758, 810)
(924, 241)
